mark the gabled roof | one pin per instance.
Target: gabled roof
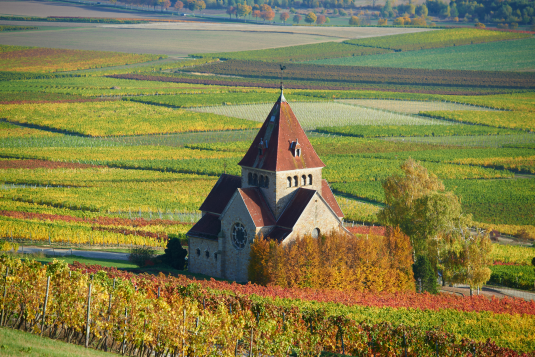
(295, 208)
(278, 234)
(257, 207)
(218, 198)
(328, 196)
(280, 129)
(208, 227)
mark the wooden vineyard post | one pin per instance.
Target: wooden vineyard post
(251, 344)
(183, 332)
(45, 304)
(4, 298)
(88, 318)
(123, 347)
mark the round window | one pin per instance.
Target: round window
(239, 236)
(316, 233)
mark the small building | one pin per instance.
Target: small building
(280, 194)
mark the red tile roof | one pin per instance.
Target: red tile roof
(295, 208)
(279, 234)
(328, 196)
(257, 207)
(218, 198)
(279, 131)
(208, 227)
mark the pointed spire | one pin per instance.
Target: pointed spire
(282, 99)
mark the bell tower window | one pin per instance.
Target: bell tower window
(296, 183)
(266, 182)
(303, 180)
(310, 179)
(289, 181)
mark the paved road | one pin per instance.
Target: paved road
(80, 253)
(489, 291)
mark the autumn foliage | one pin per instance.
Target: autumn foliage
(336, 261)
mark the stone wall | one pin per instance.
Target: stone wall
(316, 215)
(204, 263)
(284, 193)
(236, 261)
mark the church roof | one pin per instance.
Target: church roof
(295, 208)
(257, 207)
(218, 198)
(207, 227)
(328, 196)
(279, 233)
(278, 137)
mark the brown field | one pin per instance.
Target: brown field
(174, 39)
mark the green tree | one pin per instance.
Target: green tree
(297, 18)
(311, 18)
(424, 274)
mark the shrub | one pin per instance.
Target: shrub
(142, 256)
(175, 255)
(354, 21)
(423, 270)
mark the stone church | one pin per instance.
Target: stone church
(280, 195)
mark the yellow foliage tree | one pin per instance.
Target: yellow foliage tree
(335, 261)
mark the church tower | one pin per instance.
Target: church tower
(281, 159)
(280, 195)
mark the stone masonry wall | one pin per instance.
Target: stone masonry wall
(316, 215)
(285, 193)
(236, 261)
(200, 263)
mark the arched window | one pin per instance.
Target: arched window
(250, 176)
(303, 180)
(310, 179)
(207, 253)
(266, 182)
(298, 152)
(261, 180)
(255, 180)
(296, 183)
(198, 252)
(289, 181)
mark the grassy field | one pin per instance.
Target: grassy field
(14, 343)
(495, 56)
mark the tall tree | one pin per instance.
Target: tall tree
(178, 5)
(311, 18)
(321, 19)
(297, 18)
(354, 21)
(284, 16)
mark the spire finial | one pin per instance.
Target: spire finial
(282, 86)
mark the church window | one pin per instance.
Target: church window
(255, 180)
(261, 181)
(239, 236)
(303, 180)
(289, 181)
(207, 253)
(250, 178)
(266, 182)
(298, 152)
(310, 179)
(316, 233)
(215, 256)
(296, 183)
(198, 252)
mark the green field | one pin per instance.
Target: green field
(494, 56)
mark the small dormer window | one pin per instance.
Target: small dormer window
(296, 148)
(262, 146)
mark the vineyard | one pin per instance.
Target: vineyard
(109, 309)
(116, 118)
(435, 39)
(491, 56)
(511, 120)
(53, 60)
(345, 74)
